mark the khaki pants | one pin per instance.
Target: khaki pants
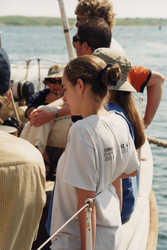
(52, 133)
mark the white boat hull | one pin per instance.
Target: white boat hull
(136, 230)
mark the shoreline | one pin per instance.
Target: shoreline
(55, 21)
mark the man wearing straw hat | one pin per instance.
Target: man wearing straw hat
(22, 180)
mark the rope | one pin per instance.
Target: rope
(86, 205)
(61, 227)
(35, 59)
(157, 142)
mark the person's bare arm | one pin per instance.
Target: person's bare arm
(123, 175)
(118, 187)
(41, 116)
(82, 196)
(154, 93)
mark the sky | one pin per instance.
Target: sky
(50, 8)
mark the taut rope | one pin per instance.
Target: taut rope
(157, 142)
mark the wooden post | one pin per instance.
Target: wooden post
(66, 30)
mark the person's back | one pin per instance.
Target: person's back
(22, 180)
(98, 151)
(100, 139)
(22, 192)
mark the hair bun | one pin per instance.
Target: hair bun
(110, 74)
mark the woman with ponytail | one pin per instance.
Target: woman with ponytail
(122, 103)
(99, 149)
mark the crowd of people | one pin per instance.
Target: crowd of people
(88, 111)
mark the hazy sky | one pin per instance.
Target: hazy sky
(123, 8)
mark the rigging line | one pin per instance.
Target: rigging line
(62, 227)
(36, 59)
(86, 205)
(157, 142)
(22, 60)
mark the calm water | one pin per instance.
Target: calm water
(145, 46)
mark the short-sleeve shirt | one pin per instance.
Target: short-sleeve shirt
(131, 184)
(96, 154)
(139, 77)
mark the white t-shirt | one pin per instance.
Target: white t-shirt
(99, 149)
(117, 46)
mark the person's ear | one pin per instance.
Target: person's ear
(87, 50)
(85, 46)
(80, 85)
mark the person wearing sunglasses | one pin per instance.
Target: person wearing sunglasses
(95, 33)
(102, 9)
(48, 95)
(40, 136)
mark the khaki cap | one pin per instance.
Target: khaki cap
(113, 56)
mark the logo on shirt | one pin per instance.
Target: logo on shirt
(124, 148)
(108, 154)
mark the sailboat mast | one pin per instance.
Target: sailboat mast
(66, 30)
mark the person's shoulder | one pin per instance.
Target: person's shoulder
(138, 70)
(115, 45)
(84, 126)
(15, 149)
(40, 93)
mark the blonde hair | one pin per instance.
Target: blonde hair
(99, 8)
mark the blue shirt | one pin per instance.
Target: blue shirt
(130, 185)
(37, 99)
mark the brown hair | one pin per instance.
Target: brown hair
(95, 31)
(126, 101)
(88, 69)
(99, 8)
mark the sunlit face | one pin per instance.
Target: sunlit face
(55, 88)
(71, 96)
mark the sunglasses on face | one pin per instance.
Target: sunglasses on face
(76, 39)
(53, 81)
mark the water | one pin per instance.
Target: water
(146, 46)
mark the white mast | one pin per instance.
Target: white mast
(66, 30)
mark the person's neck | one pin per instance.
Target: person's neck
(92, 107)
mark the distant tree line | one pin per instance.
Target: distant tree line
(52, 21)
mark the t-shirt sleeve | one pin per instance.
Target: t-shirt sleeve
(80, 168)
(133, 163)
(139, 77)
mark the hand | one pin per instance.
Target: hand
(52, 97)
(41, 116)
